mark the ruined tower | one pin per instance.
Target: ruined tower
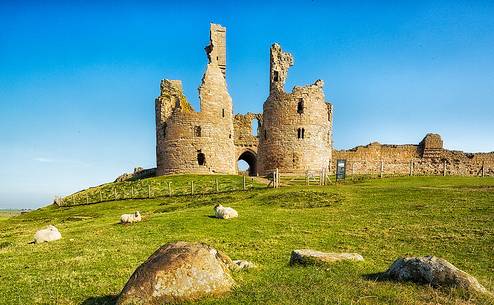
(296, 132)
(197, 142)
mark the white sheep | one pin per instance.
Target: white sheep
(130, 218)
(50, 233)
(224, 213)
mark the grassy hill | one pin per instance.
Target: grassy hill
(381, 219)
(163, 186)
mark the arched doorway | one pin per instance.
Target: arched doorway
(251, 159)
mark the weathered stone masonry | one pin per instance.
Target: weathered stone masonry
(296, 134)
(426, 158)
(293, 134)
(197, 142)
(295, 137)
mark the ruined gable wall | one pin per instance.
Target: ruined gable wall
(281, 145)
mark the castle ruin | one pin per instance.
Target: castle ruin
(294, 132)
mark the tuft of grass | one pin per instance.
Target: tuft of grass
(382, 219)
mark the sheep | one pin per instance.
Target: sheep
(130, 218)
(224, 213)
(50, 233)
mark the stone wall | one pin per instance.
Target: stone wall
(296, 132)
(426, 158)
(197, 142)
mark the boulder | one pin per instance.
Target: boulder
(310, 257)
(178, 272)
(240, 264)
(432, 270)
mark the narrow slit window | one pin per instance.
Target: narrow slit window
(201, 158)
(197, 131)
(300, 133)
(276, 76)
(265, 134)
(300, 106)
(223, 112)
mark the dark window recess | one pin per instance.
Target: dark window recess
(229, 136)
(201, 158)
(300, 133)
(276, 76)
(300, 106)
(223, 112)
(265, 134)
(197, 131)
(164, 130)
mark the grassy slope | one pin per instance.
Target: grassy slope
(158, 187)
(382, 219)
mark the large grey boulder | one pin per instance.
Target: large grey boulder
(432, 270)
(310, 257)
(178, 272)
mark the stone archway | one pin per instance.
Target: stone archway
(251, 159)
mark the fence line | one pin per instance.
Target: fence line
(355, 168)
(143, 190)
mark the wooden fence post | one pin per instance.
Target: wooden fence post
(276, 179)
(192, 187)
(169, 188)
(382, 169)
(444, 168)
(411, 168)
(243, 182)
(132, 191)
(353, 169)
(483, 173)
(252, 182)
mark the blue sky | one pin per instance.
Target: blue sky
(78, 78)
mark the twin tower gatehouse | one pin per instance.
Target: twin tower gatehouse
(294, 132)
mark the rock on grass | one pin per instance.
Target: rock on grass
(311, 257)
(179, 272)
(433, 271)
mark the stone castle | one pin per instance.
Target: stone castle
(294, 132)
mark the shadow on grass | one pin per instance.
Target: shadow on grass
(377, 277)
(101, 300)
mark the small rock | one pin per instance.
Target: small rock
(239, 264)
(309, 257)
(433, 271)
(179, 272)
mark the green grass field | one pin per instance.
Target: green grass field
(6, 214)
(381, 219)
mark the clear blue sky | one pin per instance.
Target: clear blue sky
(78, 80)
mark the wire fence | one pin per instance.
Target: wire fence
(159, 188)
(196, 185)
